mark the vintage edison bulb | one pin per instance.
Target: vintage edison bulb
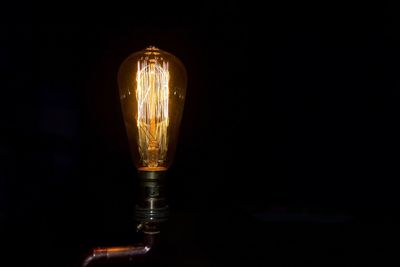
(152, 87)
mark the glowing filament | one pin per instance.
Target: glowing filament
(152, 94)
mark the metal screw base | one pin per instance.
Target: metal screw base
(152, 207)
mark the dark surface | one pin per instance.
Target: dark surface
(288, 147)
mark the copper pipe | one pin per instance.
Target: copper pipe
(127, 253)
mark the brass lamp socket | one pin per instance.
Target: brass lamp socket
(152, 207)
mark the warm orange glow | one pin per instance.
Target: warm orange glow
(152, 95)
(152, 87)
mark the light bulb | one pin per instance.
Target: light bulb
(152, 86)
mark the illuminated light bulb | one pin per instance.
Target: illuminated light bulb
(152, 87)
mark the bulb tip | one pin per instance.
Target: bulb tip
(152, 48)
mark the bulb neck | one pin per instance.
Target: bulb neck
(152, 207)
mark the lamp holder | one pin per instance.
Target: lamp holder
(152, 208)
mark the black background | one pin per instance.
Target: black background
(288, 147)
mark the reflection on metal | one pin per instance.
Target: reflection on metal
(127, 253)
